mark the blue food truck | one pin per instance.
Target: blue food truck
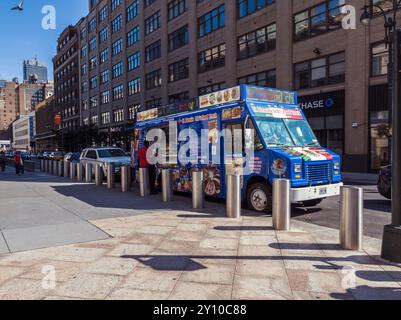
(283, 142)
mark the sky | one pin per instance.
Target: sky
(22, 36)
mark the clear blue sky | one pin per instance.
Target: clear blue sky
(22, 36)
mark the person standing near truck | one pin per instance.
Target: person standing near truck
(2, 161)
(19, 163)
(144, 164)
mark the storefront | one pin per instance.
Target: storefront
(379, 129)
(325, 113)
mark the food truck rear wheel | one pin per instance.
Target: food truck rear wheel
(259, 198)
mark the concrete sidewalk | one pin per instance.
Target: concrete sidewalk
(167, 251)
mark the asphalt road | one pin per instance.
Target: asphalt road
(377, 213)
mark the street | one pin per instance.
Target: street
(377, 213)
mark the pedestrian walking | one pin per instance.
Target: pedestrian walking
(2, 161)
(19, 163)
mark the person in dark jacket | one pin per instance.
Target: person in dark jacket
(2, 161)
(19, 163)
(144, 164)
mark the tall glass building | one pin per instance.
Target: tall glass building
(32, 67)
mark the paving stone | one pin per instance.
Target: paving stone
(112, 266)
(7, 273)
(149, 279)
(64, 270)
(261, 288)
(219, 243)
(134, 294)
(23, 289)
(208, 273)
(315, 281)
(131, 250)
(89, 286)
(200, 291)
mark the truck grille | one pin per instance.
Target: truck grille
(319, 173)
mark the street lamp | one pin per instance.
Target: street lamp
(391, 248)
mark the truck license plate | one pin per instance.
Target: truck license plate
(323, 191)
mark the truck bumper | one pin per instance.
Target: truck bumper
(312, 193)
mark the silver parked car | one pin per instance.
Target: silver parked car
(103, 156)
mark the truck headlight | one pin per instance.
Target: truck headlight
(337, 165)
(297, 168)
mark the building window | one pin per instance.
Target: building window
(212, 58)
(247, 7)
(103, 34)
(118, 115)
(318, 19)
(105, 97)
(176, 8)
(153, 79)
(320, 72)
(115, 4)
(117, 47)
(211, 21)
(133, 10)
(178, 38)
(103, 13)
(134, 86)
(152, 23)
(179, 97)
(104, 77)
(116, 24)
(154, 103)
(104, 55)
(118, 92)
(261, 79)
(257, 42)
(153, 51)
(178, 70)
(133, 36)
(379, 60)
(134, 61)
(93, 82)
(118, 70)
(105, 118)
(132, 110)
(212, 88)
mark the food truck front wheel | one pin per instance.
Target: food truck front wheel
(259, 198)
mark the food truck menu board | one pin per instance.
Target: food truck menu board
(270, 111)
(220, 97)
(270, 95)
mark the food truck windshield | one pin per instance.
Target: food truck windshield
(286, 132)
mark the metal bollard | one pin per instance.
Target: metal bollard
(80, 172)
(73, 170)
(98, 175)
(60, 168)
(51, 167)
(42, 165)
(66, 169)
(281, 205)
(234, 196)
(144, 184)
(48, 166)
(45, 166)
(351, 218)
(88, 172)
(111, 176)
(125, 178)
(167, 185)
(55, 168)
(198, 190)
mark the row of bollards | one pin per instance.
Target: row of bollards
(351, 213)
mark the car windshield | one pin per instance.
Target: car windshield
(286, 132)
(111, 153)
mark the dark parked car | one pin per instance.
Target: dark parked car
(384, 184)
(72, 157)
